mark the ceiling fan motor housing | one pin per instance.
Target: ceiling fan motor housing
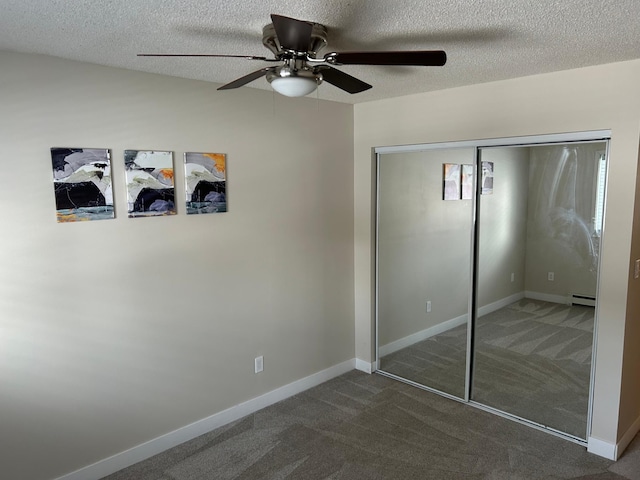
(318, 41)
(294, 68)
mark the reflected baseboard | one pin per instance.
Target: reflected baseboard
(548, 297)
(414, 338)
(503, 302)
(409, 340)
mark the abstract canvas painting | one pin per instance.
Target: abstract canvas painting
(150, 190)
(82, 184)
(451, 181)
(206, 186)
(467, 182)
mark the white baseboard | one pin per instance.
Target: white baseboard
(547, 297)
(613, 451)
(627, 438)
(497, 305)
(421, 335)
(365, 367)
(602, 448)
(157, 445)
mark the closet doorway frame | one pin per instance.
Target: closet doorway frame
(589, 136)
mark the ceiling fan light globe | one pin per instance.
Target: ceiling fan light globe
(294, 86)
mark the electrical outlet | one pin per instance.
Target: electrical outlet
(513, 277)
(551, 276)
(428, 306)
(636, 270)
(259, 364)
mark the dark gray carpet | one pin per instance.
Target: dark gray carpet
(532, 359)
(369, 427)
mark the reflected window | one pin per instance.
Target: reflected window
(600, 185)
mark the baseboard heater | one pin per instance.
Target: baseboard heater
(587, 300)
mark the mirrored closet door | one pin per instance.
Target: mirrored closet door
(487, 263)
(424, 266)
(539, 232)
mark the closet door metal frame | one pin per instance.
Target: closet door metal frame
(412, 149)
(524, 141)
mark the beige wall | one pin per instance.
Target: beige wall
(603, 97)
(115, 332)
(630, 404)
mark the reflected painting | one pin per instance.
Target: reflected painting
(82, 184)
(467, 182)
(150, 190)
(487, 178)
(451, 176)
(205, 178)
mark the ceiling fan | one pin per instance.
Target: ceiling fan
(296, 44)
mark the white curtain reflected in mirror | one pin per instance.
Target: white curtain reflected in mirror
(537, 269)
(424, 246)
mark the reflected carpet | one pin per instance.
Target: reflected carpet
(532, 359)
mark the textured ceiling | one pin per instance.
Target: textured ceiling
(485, 40)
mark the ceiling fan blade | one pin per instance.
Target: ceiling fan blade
(246, 79)
(292, 34)
(342, 80)
(246, 57)
(426, 58)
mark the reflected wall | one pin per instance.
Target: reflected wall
(424, 255)
(563, 235)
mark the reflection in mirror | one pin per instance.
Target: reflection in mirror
(537, 267)
(424, 264)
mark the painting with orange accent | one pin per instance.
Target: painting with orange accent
(206, 182)
(82, 184)
(150, 189)
(219, 160)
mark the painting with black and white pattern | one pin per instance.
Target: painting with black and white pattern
(150, 188)
(205, 179)
(82, 184)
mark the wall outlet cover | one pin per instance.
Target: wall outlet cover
(259, 364)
